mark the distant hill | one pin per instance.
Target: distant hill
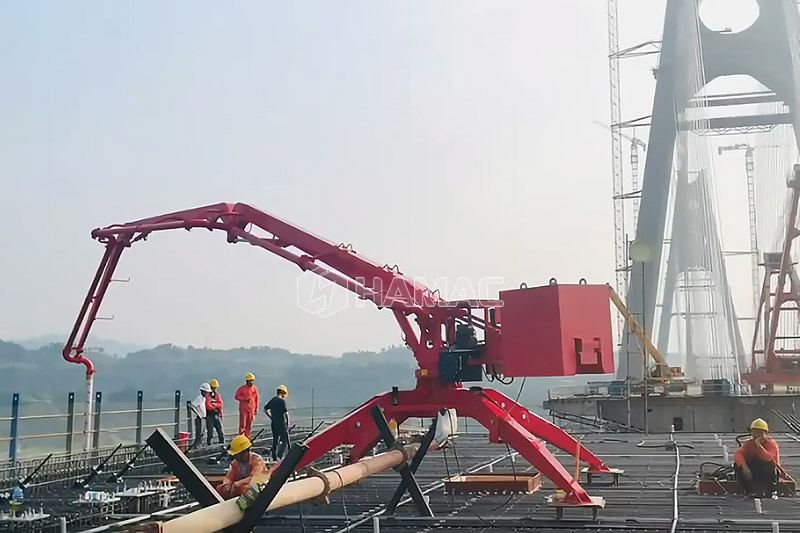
(345, 381)
(111, 347)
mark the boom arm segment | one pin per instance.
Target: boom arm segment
(384, 285)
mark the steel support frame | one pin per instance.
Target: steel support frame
(427, 440)
(786, 273)
(507, 422)
(774, 304)
(408, 480)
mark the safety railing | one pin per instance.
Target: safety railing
(37, 433)
(675, 388)
(58, 467)
(555, 393)
(33, 429)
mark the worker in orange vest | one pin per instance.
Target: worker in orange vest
(244, 466)
(247, 396)
(758, 461)
(214, 413)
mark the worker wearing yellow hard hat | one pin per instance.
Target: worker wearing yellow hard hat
(278, 415)
(758, 462)
(214, 413)
(247, 396)
(246, 463)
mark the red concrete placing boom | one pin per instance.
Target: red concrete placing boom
(555, 330)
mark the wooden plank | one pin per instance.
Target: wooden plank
(493, 483)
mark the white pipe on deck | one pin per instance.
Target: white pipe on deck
(227, 513)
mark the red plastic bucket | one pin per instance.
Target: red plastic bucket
(183, 441)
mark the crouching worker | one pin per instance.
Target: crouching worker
(244, 466)
(758, 461)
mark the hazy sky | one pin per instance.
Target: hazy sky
(453, 138)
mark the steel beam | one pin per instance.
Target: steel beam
(184, 470)
(735, 99)
(745, 121)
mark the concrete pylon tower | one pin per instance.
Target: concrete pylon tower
(692, 55)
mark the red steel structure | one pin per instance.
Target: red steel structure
(780, 296)
(545, 331)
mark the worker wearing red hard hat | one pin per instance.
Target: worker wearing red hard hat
(247, 396)
(244, 466)
(758, 461)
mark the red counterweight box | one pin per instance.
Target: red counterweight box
(556, 330)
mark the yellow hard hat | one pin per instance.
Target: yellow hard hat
(283, 389)
(239, 444)
(759, 423)
(250, 377)
(214, 384)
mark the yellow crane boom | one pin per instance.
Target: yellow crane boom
(661, 369)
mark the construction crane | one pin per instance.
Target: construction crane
(636, 143)
(780, 296)
(749, 165)
(660, 371)
(554, 330)
(619, 194)
(635, 192)
(620, 236)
